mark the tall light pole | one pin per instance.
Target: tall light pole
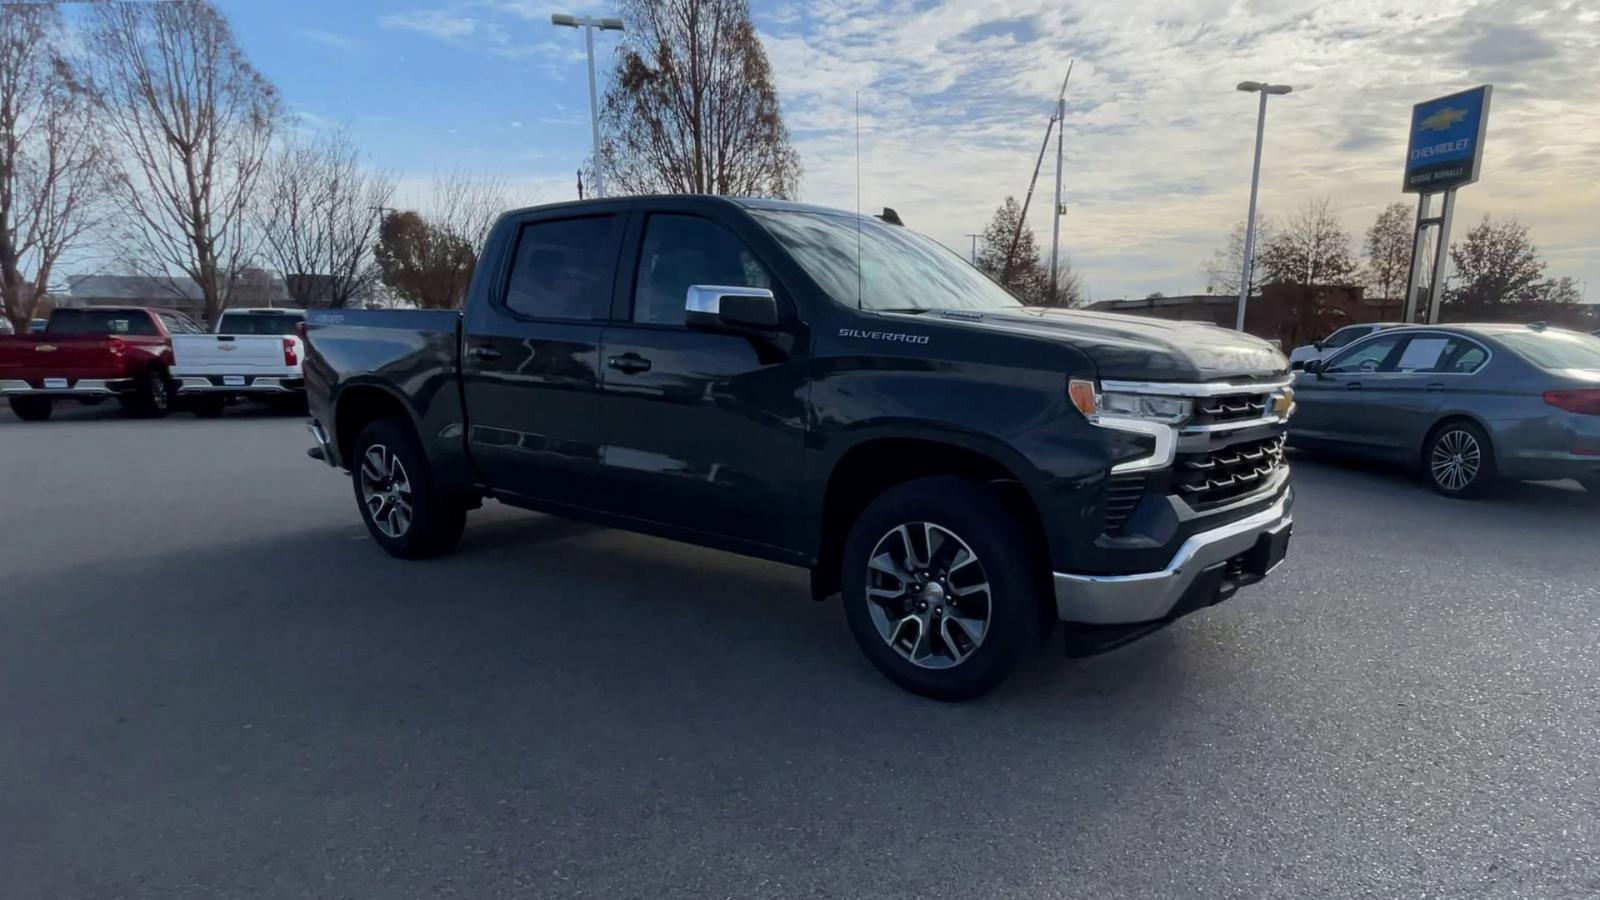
(1253, 87)
(589, 24)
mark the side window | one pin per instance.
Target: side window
(190, 325)
(1366, 356)
(679, 251)
(171, 322)
(1463, 358)
(1423, 354)
(560, 270)
(1343, 336)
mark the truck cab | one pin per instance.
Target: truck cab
(831, 391)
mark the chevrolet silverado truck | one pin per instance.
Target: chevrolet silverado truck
(254, 354)
(827, 390)
(89, 354)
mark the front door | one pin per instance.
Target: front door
(530, 357)
(704, 429)
(1336, 404)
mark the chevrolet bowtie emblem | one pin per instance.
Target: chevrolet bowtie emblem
(225, 347)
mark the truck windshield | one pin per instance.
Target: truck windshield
(900, 269)
(99, 321)
(258, 323)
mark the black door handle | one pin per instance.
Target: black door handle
(485, 353)
(632, 363)
(1353, 386)
(1434, 387)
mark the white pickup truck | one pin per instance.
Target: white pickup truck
(254, 354)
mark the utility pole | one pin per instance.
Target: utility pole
(973, 257)
(1055, 219)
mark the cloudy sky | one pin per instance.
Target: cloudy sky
(955, 95)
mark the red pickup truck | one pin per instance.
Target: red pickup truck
(89, 354)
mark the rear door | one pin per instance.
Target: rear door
(531, 350)
(705, 430)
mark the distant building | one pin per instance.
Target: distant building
(255, 287)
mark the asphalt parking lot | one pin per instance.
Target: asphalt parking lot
(212, 684)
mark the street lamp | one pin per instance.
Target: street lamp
(1262, 88)
(589, 24)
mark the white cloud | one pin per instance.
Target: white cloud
(438, 23)
(327, 38)
(1158, 143)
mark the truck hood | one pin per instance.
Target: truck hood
(1134, 348)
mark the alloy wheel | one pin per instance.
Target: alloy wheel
(1456, 460)
(158, 392)
(928, 595)
(386, 490)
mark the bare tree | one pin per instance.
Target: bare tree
(52, 158)
(468, 203)
(1389, 251)
(692, 108)
(317, 210)
(1223, 269)
(1071, 292)
(195, 122)
(1311, 248)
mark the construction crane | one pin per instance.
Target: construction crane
(1016, 236)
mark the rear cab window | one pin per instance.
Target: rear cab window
(282, 324)
(562, 268)
(91, 322)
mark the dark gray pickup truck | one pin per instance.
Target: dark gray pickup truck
(830, 391)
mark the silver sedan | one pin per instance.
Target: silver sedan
(1467, 404)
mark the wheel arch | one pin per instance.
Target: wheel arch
(1420, 451)
(358, 405)
(872, 465)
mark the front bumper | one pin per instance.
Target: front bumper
(1207, 567)
(76, 387)
(324, 448)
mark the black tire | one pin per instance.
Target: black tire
(208, 406)
(152, 397)
(436, 521)
(32, 409)
(1016, 602)
(1458, 460)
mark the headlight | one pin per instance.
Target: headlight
(1149, 408)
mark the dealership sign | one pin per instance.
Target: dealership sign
(1446, 146)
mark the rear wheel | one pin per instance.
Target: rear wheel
(404, 510)
(152, 397)
(942, 588)
(1460, 460)
(32, 409)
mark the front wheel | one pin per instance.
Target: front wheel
(404, 510)
(1460, 460)
(942, 587)
(32, 409)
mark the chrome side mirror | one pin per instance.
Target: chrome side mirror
(730, 308)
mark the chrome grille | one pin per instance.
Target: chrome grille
(1230, 408)
(1217, 476)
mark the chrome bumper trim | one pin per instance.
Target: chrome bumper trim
(196, 384)
(320, 435)
(1150, 596)
(1202, 389)
(83, 387)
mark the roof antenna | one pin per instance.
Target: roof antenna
(858, 201)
